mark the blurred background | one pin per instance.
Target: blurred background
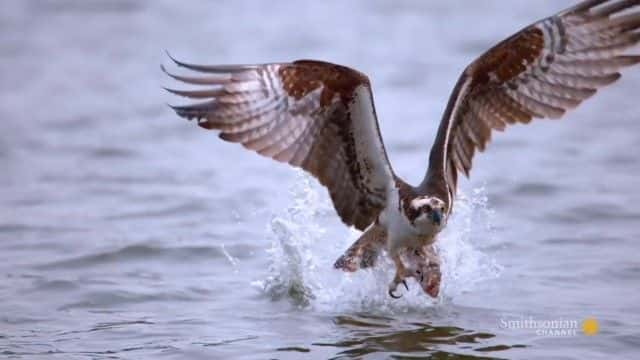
(126, 232)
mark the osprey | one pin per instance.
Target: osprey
(321, 117)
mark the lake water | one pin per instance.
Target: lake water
(126, 232)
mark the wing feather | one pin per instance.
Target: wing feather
(542, 71)
(313, 115)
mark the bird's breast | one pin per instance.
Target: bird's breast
(401, 231)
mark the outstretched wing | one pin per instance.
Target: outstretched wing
(310, 114)
(540, 72)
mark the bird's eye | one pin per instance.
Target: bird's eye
(427, 208)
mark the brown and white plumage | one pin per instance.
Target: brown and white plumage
(542, 71)
(321, 117)
(310, 114)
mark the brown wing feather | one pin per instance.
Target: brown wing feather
(313, 115)
(540, 72)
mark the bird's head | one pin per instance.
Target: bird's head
(427, 212)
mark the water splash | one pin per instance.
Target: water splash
(464, 265)
(233, 261)
(294, 234)
(304, 246)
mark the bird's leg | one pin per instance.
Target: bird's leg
(399, 278)
(364, 252)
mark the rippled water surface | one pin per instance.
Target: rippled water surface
(126, 232)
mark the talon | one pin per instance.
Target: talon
(394, 286)
(394, 295)
(401, 273)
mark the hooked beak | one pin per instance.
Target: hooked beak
(436, 216)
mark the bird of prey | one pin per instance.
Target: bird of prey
(320, 117)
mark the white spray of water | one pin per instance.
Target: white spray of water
(303, 250)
